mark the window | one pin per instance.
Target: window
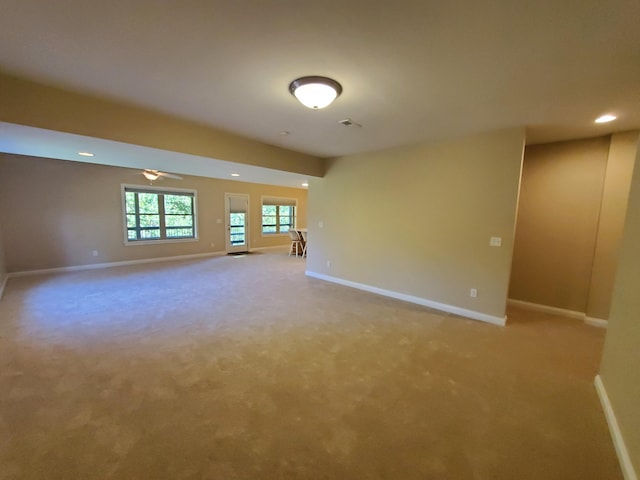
(278, 215)
(159, 215)
(237, 227)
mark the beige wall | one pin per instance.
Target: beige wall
(572, 205)
(28, 103)
(617, 181)
(558, 222)
(55, 213)
(619, 369)
(3, 269)
(417, 220)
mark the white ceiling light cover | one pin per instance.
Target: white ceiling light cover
(315, 92)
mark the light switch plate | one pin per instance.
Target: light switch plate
(495, 241)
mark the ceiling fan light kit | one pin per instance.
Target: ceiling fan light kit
(149, 175)
(315, 92)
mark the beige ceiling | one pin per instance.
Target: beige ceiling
(412, 71)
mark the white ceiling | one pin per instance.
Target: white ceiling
(412, 71)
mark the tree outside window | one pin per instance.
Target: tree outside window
(153, 214)
(278, 215)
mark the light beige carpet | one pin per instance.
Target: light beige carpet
(243, 368)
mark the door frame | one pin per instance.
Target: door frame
(227, 211)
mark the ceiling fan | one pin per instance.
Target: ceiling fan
(153, 175)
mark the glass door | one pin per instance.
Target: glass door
(237, 222)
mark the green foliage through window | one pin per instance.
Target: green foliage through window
(237, 228)
(277, 218)
(159, 215)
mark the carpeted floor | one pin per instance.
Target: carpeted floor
(243, 368)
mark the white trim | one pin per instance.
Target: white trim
(596, 322)
(247, 224)
(138, 186)
(483, 317)
(295, 216)
(547, 309)
(614, 429)
(3, 284)
(165, 240)
(271, 235)
(155, 188)
(95, 266)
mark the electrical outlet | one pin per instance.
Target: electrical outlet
(95, 253)
(473, 292)
(328, 263)
(213, 244)
(495, 241)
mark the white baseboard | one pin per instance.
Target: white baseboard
(596, 322)
(483, 317)
(616, 435)
(94, 266)
(547, 309)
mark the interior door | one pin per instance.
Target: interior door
(237, 222)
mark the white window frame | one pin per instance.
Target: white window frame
(154, 189)
(295, 215)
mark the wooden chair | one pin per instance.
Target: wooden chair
(304, 243)
(296, 243)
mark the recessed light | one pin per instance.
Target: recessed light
(305, 184)
(235, 174)
(86, 154)
(606, 118)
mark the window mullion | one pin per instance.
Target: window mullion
(137, 215)
(161, 222)
(163, 226)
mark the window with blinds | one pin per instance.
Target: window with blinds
(278, 215)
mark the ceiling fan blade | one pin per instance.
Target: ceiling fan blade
(170, 175)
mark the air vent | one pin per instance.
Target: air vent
(347, 122)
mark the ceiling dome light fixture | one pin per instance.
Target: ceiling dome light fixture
(315, 92)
